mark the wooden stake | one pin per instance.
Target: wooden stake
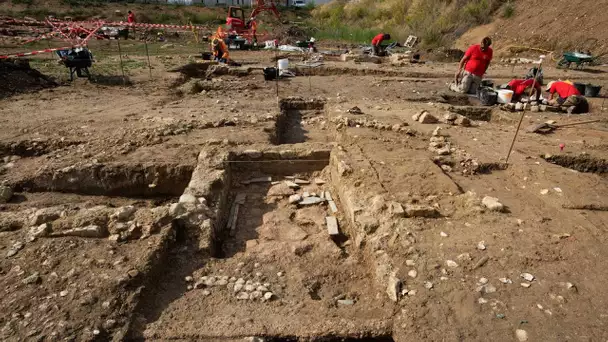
(124, 80)
(523, 113)
(148, 55)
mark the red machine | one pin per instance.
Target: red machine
(236, 23)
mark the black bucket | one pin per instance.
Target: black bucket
(592, 90)
(580, 87)
(270, 74)
(207, 56)
(487, 96)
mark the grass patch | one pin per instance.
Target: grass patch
(345, 33)
(508, 10)
(436, 22)
(22, 2)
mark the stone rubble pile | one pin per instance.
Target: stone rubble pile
(342, 122)
(241, 288)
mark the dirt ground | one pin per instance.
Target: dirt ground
(163, 210)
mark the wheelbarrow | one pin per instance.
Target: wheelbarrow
(580, 59)
(77, 61)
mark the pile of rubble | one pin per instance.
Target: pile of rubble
(533, 106)
(449, 118)
(16, 76)
(243, 289)
(341, 122)
(116, 224)
(289, 188)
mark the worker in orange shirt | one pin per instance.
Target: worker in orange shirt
(253, 25)
(220, 50)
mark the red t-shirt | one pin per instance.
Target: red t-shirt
(519, 86)
(478, 60)
(563, 89)
(378, 39)
(131, 18)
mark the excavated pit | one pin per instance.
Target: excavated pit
(125, 180)
(295, 123)
(581, 163)
(255, 180)
(257, 235)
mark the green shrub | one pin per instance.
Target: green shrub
(23, 2)
(165, 18)
(508, 10)
(434, 21)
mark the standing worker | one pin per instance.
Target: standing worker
(569, 98)
(130, 20)
(253, 26)
(475, 64)
(377, 44)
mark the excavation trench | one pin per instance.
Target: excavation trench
(257, 188)
(297, 122)
(256, 234)
(581, 163)
(125, 180)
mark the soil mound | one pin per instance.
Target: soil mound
(16, 76)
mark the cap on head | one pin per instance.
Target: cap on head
(215, 42)
(129, 12)
(387, 36)
(549, 85)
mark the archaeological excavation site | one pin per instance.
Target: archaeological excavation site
(352, 201)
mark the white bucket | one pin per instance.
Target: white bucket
(283, 64)
(505, 96)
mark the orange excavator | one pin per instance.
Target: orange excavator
(237, 25)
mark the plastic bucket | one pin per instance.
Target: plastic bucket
(270, 74)
(505, 95)
(580, 87)
(283, 64)
(592, 90)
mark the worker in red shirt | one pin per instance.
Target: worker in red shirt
(475, 63)
(130, 20)
(569, 98)
(521, 87)
(377, 43)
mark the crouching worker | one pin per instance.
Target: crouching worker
(475, 63)
(220, 51)
(522, 88)
(568, 99)
(377, 44)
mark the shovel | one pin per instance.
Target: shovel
(546, 128)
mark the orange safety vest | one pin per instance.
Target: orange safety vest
(221, 47)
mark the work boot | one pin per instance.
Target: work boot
(570, 109)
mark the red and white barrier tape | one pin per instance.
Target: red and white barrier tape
(114, 23)
(32, 53)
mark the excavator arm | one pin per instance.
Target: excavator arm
(265, 5)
